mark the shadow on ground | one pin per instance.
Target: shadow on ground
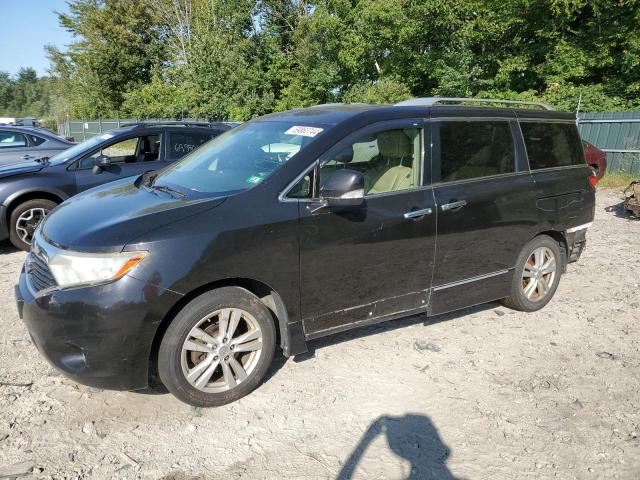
(618, 210)
(411, 437)
(388, 326)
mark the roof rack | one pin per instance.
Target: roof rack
(143, 124)
(430, 101)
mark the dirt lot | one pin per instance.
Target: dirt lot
(486, 393)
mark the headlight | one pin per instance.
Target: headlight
(75, 268)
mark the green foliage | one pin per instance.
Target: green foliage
(26, 95)
(119, 44)
(386, 90)
(242, 58)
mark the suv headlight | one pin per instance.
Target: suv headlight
(77, 268)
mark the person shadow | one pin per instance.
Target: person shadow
(411, 437)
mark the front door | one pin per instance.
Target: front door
(131, 156)
(14, 147)
(372, 262)
(486, 210)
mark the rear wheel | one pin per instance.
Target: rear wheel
(536, 276)
(24, 220)
(218, 348)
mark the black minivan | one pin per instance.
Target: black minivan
(300, 224)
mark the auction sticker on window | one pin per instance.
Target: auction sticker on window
(304, 131)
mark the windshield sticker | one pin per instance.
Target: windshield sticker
(304, 131)
(106, 136)
(254, 180)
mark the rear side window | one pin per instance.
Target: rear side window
(473, 149)
(181, 143)
(552, 144)
(35, 140)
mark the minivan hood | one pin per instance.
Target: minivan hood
(106, 218)
(11, 169)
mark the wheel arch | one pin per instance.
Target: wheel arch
(264, 292)
(24, 196)
(562, 241)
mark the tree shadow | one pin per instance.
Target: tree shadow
(411, 437)
(387, 326)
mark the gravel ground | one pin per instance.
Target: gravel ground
(485, 393)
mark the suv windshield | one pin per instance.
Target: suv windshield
(240, 158)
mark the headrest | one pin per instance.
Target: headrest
(394, 144)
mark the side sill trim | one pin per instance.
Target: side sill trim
(469, 280)
(366, 322)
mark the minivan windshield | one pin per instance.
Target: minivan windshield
(239, 159)
(80, 148)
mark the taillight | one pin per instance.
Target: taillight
(593, 180)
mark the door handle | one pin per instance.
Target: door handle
(453, 205)
(418, 213)
(27, 157)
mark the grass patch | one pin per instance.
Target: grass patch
(616, 180)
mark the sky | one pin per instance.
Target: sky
(27, 26)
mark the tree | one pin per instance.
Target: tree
(119, 45)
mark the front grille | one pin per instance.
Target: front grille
(39, 274)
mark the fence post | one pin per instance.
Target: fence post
(100, 124)
(83, 136)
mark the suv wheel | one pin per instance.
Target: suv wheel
(24, 220)
(218, 348)
(536, 275)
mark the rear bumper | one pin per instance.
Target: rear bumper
(99, 336)
(576, 244)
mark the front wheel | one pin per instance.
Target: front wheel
(24, 220)
(218, 348)
(536, 276)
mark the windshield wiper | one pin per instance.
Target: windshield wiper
(169, 190)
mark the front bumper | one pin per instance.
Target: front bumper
(99, 336)
(4, 228)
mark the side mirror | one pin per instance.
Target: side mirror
(101, 163)
(343, 188)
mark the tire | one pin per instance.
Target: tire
(21, 228)
(208, 312)
(525, 295)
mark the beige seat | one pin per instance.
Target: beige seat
(396, 178)
(396, 155)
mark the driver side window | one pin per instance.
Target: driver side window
(389, 160)
(131, 150)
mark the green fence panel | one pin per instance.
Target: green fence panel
(618, 134)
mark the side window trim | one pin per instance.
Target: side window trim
(572, 123)
(419, 123)
(284, 195)
(436, 158)
(522, 160)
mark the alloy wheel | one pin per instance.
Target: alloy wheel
(222, 350)
(539, 274)
(28, 221)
